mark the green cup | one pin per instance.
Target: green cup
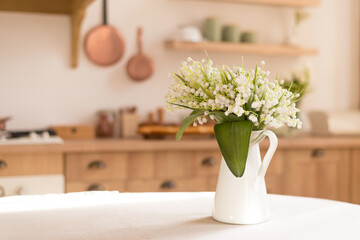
(249, 37)
(231, 33)
(212, 29)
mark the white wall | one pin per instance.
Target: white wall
(38, 87)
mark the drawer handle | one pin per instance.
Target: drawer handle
(2, 191)
(3, 164)
(168, 185)
(209, 161)
(97, 164)
(318, 153)
(96, 187)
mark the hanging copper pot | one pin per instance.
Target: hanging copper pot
(104, 45)
(140, 67)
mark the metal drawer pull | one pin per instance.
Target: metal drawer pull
(209, 161)
(168, 185)
(318, 153)
(3, 164)
(96, 187)
(97, 164)
(2, 191)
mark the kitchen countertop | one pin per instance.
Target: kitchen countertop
(139, 145)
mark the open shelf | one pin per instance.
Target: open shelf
(73, 8)
(242, 48)
(279, 3)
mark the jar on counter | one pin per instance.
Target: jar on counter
(105, 124)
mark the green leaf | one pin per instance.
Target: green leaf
(221, 117)
(207, 92)
(183, 106)
(234, 141)
(181, 78)
(187, 122)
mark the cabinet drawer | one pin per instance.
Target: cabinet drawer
(315, 154)
(104, 166)
(80, 186)
(207, 163)
(274, 183)
(212, 183)
(141, 165)
(168, 185)
(30, 164)
(174, 164)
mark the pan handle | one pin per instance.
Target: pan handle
(104, 12)
(139, 39)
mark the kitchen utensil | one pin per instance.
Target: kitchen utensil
(104, 45)
(212, 29)
(140, 66)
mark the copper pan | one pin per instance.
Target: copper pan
(104, 45)
(140, 66)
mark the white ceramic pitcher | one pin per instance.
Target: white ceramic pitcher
(244, 200)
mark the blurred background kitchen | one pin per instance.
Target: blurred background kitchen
(81, 111)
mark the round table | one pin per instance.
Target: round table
(168, 216)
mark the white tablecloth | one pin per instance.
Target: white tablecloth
(168, 216)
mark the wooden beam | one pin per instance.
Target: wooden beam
(37, 6)
(77, 15)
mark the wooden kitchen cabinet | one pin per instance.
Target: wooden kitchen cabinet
(313, 167)
(80, 186)
(20, 164)
(274, 177)
(322, 173)
(174, 164)
(169, 185)
(355, 176)
(142, 171)
(96, 166)
(141, 165)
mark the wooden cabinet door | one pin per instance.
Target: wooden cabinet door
(322, 173)
(355, 177)
(274, 177)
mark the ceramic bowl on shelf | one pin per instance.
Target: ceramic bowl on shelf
(189, 33)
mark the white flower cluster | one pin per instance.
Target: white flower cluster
(247, 94)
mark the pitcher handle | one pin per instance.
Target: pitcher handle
(269, 154)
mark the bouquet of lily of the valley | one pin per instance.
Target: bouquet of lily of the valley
(239, 100)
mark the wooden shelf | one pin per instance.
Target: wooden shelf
(74, 8)
(242, 48)
(279, 3)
